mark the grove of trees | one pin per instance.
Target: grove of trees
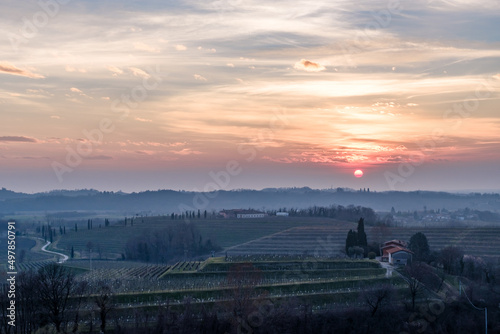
(175, 242)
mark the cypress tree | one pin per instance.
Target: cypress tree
(362, 241)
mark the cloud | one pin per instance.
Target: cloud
(230, 65)
(212, 50)
(55, 117)
(308, 66)
(145, 47)
(139, 73)
(8, 68)
(180, 47)
(143, 120)
(115, 70)
(19, 139)
(199, 77)
(186, 151)
(78, 91)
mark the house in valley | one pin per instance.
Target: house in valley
(241, 213)
(396, 253)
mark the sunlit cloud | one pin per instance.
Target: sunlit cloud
(139, 73)
(8, 68)
(186, 151)
(308, 66)
(115, 70)
(303, 85)
(144, 120)
(199, 77)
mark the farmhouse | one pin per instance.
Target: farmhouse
(395, 252)
(241, 213)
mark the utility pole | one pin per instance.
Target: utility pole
(479, 309)
(486, 320)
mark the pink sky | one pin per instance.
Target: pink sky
(124, 96)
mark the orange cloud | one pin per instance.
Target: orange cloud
(8, 68)
(308, 66)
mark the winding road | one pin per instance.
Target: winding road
(63, 258)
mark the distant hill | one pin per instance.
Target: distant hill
(168, 201)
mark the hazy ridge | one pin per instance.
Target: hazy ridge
(168, 201)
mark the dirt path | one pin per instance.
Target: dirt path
(63, 258)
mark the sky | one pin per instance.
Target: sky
(205, 95)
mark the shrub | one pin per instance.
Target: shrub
(371, 255)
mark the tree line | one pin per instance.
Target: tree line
(349, 213)
(175, 242)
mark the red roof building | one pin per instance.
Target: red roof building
(395, 252)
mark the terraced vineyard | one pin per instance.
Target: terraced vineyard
(320, 282)
(225, 232)
(330, 240)
(323, 241)
(483, 242)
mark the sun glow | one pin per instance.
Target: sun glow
(358, 173)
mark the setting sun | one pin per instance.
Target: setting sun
(358, 173)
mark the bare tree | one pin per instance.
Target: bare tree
(243, 278)
(414, 276)
(55, 286)
(104, 302)
(451, 257)
(28, 301)
(378, 297)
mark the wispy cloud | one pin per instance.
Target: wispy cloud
(186, 151)
(199, 77)
(19, 139)
(9, 68)
(115, 70)
(145, 120)
(139, 73)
